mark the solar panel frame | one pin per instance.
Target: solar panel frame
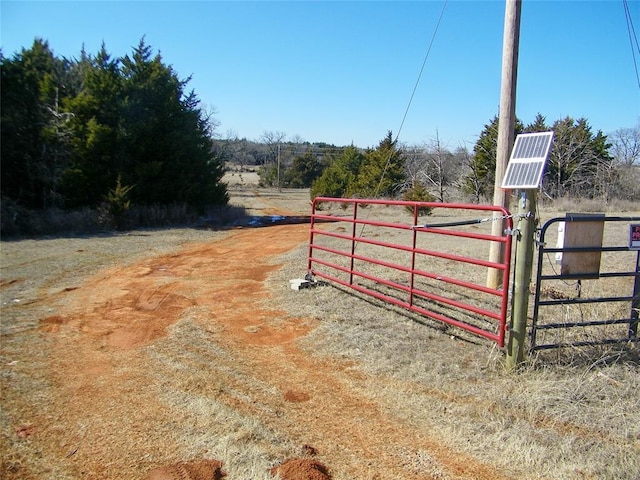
(528, 158)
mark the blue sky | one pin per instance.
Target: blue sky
(343, 72)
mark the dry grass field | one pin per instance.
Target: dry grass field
(125, 353)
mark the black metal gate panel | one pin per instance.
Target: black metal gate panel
(593, 308)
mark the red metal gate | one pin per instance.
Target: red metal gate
(379, 248)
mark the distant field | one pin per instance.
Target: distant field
(233, 178)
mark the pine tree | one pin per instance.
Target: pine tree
(382, 172)
(33, 127)
(481, 178)
(539, 124)
(576, 158)
(303, 171)
(167, 137)
(338, 178)
(99, 156)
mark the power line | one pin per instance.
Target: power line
(406, 112)
(632, 37)
(415, 88)
(424, 62)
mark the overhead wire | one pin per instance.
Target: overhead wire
(424, 63)
(632, 37)
(413, 93)
(406, 112)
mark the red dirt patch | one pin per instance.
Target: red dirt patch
(195, 470)
(296, 397)
(129, 307)
(25, 431)
(301, 469)
(51, 324)
(7, 283)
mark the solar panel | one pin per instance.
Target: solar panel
(528, 157)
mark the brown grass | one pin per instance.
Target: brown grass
(380, 392)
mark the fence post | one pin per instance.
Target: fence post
(635, 303)
(354, 228)
(522, 279)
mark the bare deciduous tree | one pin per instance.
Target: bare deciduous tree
(414, 166)
(432, 166)
(472, 181)
(270, 172)
(625, 146)
(574, 159)
(441, 167)
(272, 140)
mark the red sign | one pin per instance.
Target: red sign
(634, 237)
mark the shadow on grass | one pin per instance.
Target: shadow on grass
(270, 220)
(53, 225)
(435, 325)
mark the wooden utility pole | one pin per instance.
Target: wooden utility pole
(278, 169)
(506, 126)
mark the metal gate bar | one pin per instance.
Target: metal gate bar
(486, 318)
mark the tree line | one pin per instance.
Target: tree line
(582, 164)
(81, 132)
